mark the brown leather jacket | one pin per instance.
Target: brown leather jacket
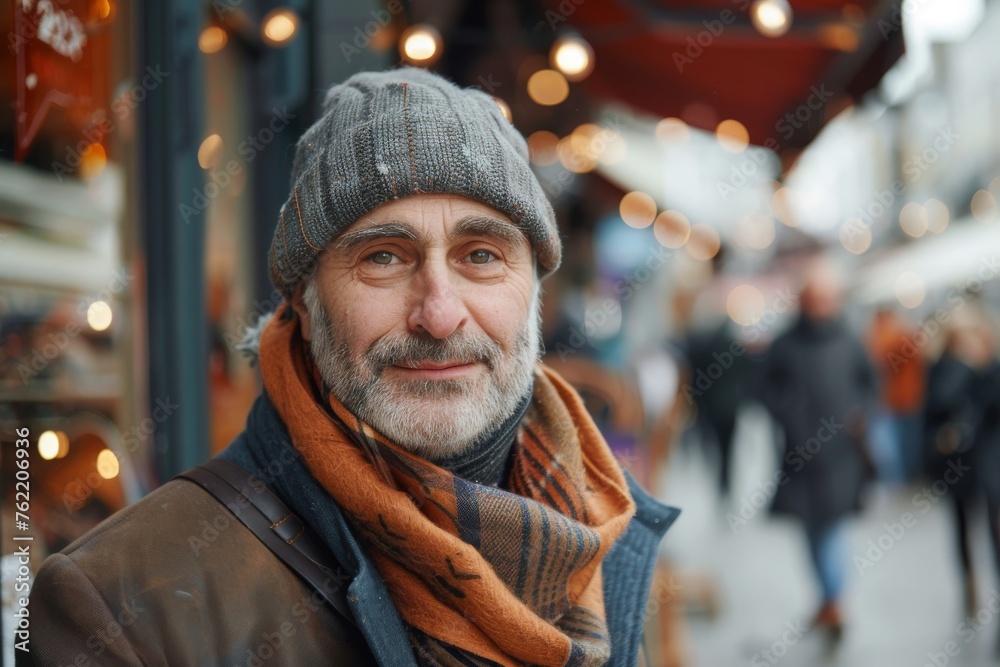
(113, 597)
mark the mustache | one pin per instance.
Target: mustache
(460, 347)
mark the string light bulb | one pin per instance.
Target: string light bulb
(573, 56)
(420, 45)
(279, 26)
(771, 18)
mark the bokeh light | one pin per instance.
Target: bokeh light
(504, 108)
(575, 155)
(93, 160)
(913, 220)
(99, 315)
(672, 229)
(542, 148)
(781, 206)
(63, 444)
(732, 136)
(107, 464)
(103, 9)
(210, 151)
(572, 56)
(745, 305)
(910, 290)
(855, 236)
(673, 130)
(637, 209)
(212, 39)
(771, 18)
(937, 215)
(984, 206)
(756, 231)
(548, 87)
(420, 45)
(48, 445)
(279, 26)
(704, 242)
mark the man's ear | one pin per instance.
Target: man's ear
(299, 306)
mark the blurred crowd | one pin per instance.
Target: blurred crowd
(859, 398)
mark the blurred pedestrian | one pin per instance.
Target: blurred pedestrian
(962, 432)
(712, 362)
(818, 385)
(988, 456)
(896, 426)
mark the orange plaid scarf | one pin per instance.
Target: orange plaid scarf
(479, 574)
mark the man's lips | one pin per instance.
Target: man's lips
(433, 366)
(432, 370)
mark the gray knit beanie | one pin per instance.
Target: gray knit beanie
(386, 135)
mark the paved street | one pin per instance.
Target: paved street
(904, 610)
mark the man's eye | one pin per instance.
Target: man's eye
(382, 257)
(481, 256)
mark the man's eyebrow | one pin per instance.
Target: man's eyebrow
(480, 225)
(386, 230)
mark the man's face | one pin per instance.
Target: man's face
(423, 320)
(822, 298)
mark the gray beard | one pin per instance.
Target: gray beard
(434, 419)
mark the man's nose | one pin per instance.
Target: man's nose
(438, 309)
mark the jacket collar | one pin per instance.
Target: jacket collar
(265, 450)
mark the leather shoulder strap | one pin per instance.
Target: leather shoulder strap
(280, 530)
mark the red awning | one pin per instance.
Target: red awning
(703, 61)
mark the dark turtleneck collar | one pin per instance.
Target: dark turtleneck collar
(820, 327)
(487, 460)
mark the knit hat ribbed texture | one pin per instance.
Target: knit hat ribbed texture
(387, 135)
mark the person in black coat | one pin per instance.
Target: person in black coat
(818, 386)
(962, 431)
(988, 453)
(710, 352)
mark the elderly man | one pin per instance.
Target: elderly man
(439, 496)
